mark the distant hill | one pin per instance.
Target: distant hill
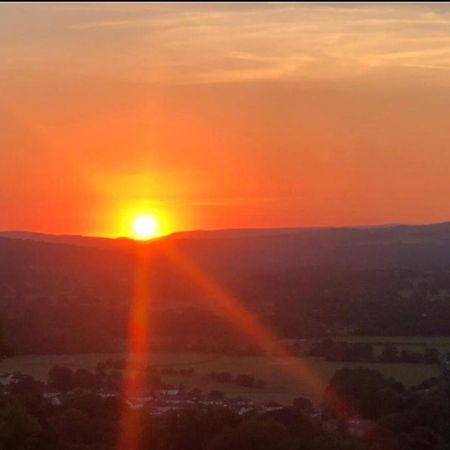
(402, 246)
(383, 232)
(396, 231)
(65, 239)
(253, 232)
(236, 233)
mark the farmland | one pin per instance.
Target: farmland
(411, 343)
(282, 375)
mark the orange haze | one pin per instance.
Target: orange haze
(217, 116)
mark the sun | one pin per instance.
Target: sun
(144, 227)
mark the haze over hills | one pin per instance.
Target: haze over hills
(385, 231)
(303, 282)
(281, 248)
(58, 238)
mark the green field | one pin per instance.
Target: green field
(410, 343)
(432, 341)
(284, 377)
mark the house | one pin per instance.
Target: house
(330, 425)
(7, 378)
(54, 398)
(359, 427)
(244, 410)
(169, 392)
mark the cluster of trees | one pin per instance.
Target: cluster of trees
(63, 379)
(108, 376)
(85, 293)
(365, 352)
(415, 418)
(404, 419)
(342, 351)
(243, 380)
(188, 372)
(87, 422)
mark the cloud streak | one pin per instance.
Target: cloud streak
(197, 43)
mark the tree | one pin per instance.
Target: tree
(333, 441)
(28, 392)
(390, 353)
(364, 392)
(431, 355)
(396, 422)
(215, 396)
(59, 378)
(295, 422)
(193, 429)
(254, 435)
(75, 429)
(83, 379)
(5, 350)
(302, 404)
(18, 429)
(244, 380)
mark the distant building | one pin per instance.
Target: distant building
(359, 427)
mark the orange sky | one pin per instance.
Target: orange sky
(217, 116)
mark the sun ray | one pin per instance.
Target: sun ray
(249, 325)
(244, 320)
(134, 380)
(236, 314)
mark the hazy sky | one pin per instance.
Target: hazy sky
(223, 115)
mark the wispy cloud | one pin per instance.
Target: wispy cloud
(223, 42)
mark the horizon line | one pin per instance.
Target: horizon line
(231, 229)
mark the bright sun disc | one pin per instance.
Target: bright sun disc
(144, 227)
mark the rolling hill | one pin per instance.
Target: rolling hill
(64, 294)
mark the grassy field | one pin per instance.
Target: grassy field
(410, 343)
(432, 341)
(283, 376)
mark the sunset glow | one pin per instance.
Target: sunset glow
(224, 226)
(144, 227)
(312, 105)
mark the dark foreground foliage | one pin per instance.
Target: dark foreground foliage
(399, 419)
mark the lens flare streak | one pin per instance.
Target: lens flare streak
(244, 320)
(134, 380)
(236, 314)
